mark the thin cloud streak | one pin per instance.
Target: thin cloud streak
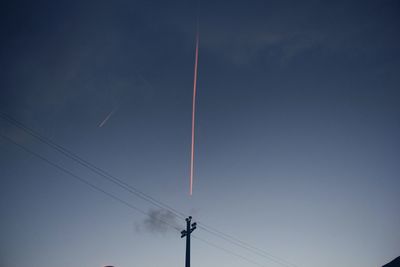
(107, 118)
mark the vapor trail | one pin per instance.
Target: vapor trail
(194, 110)
(108, 117)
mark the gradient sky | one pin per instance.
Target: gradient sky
(297, 131)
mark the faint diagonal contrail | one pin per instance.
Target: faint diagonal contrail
(107, 118)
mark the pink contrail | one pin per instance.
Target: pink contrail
(194, 112)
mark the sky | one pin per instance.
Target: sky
(296, 141)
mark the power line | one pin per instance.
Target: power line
(141, 194)
(246, 246)
(133, 190)
(91, 166)
(96, 188)
(228, 251)
(79, 178)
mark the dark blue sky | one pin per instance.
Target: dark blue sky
(297, 147)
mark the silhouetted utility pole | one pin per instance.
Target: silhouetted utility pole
(189, 229)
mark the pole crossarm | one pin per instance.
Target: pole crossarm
(190, 227)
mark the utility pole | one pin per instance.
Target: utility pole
(189, 229)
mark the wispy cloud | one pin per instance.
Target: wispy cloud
(158, 221)
(244, 46)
